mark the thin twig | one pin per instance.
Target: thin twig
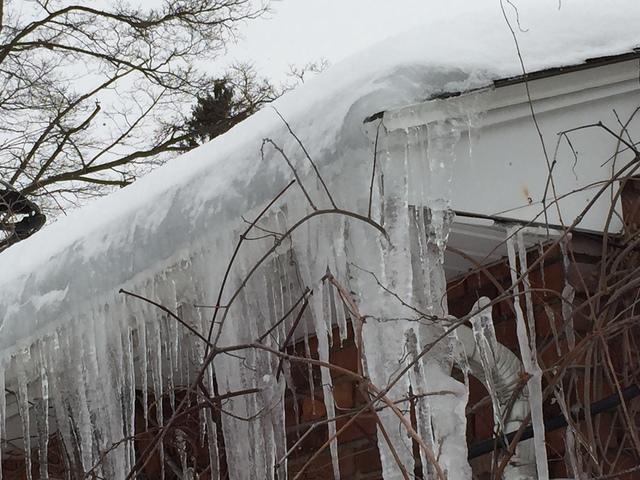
(304, 149)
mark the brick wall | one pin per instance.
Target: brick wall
(357, 446)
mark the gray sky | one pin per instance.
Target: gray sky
(299, 31)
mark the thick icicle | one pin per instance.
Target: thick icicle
(383, 333)
(448, 411)
(60, 398)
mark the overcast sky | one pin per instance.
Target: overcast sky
(299, 31)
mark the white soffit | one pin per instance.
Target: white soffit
(477, 241)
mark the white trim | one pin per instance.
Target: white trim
(502, 104)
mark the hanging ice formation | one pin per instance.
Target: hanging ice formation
(75, 352)
(411, 313)
(84, 372)
(526, 332)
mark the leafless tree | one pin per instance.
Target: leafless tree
(86, 92)
(298, 74)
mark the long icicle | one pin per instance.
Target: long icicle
(3, 410)
(529, 361)
(23, 408)
(43, 418)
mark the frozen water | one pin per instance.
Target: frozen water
(527, 346)
(168, 236)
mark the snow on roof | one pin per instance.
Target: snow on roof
(84, 258)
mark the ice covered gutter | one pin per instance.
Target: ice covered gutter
(68, 337)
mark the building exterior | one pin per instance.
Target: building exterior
(408, 258)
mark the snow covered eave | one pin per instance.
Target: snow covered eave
(501, 160)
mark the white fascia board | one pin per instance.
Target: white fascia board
(507, 168)
(502, 104)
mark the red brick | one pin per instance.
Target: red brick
(343, 394)
(346, 357)
(312, 409)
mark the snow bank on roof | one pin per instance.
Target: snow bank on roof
(145, 227)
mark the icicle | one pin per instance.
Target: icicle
(168, 349)
(175, 333)
(487, 344)
(212, 430)
(448, 411)
(383, 342)
(73, 405)
(552, 323)
(180, 338)
(522, 256)
(166, 295)
(212, 443)
(417, 378)
(500, 371)
(286, 368)
(155, 352)
(3, 414)
(535, 382)
(572, 461)
(470, 135)
(43, 417)
(272, 394)
(23, 408)
(277, 302)
(287, 293)
(327, 311)
(85, 427)
(307, 353)
(385, 355)
(104, 363)
(322, 336)
(284, 295)
(338, 269)
(60, 397)
(181, 446)
(568, 295)
(129, 389)
(142, 354)
(341, 318)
